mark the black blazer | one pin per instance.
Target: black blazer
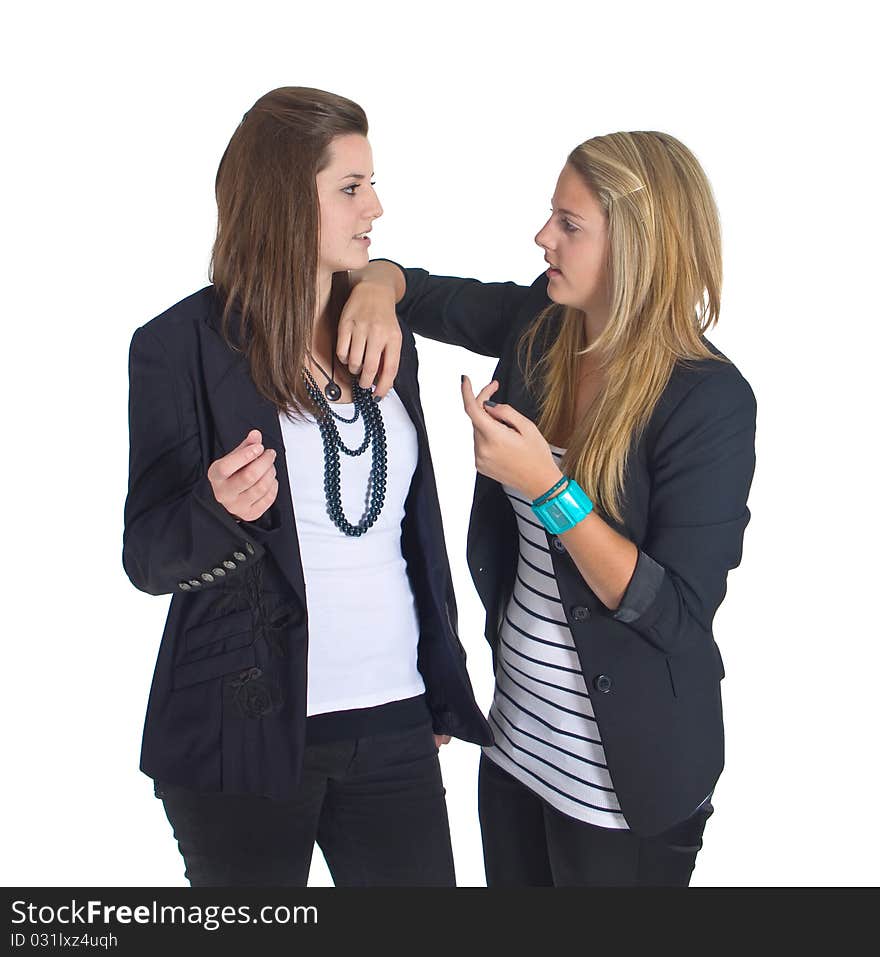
(227, 707)
(652, 667)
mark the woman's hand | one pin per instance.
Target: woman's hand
(441, 739)
(369, 338)
(507, 446)
(244, 481)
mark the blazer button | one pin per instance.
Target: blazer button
(219, 571)
(602, 683)
(207, 577)
(195, 583)
(184, 586)
(228, 564)
(557, 544)
(239, 556)
(579, 613)
(250, 548)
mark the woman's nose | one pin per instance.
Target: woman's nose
(542, 238)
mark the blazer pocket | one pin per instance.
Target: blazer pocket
(695, 673)
(234, 626)
(206, 669)
(671, 677)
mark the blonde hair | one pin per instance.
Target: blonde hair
(664, 275)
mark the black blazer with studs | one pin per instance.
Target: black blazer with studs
(652, 667)
(227, 706)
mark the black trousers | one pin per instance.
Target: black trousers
(376, 806)
(527, 843)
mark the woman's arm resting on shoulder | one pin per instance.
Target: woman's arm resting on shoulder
(175, 530)
(369, 339)
(461, 312)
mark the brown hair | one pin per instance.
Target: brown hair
(664, 276)
(264, 262)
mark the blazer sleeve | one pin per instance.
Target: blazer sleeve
(176, 533)
(701, 472)
(460, 312)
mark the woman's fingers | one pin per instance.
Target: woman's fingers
(261, 486)
(256, 508)
(388, 366)
(369, 339)
(244, 481)
(249, 450)
(356, 349)
(252, 501)
(343, 337)
(473, 404)
(488, 391)
(481, 414)
(471, 407)
(509, 416)
(370, 367)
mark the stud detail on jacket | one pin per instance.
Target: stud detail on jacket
(220, 570)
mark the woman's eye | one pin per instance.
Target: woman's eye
(351, 190)
(568, 225)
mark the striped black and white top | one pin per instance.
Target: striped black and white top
(545, 733)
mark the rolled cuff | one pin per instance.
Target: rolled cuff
(643, 588)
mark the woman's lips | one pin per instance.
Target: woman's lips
(364, 239)
(551, 272)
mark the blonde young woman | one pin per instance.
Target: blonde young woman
(615, 451)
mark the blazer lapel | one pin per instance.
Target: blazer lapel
(237, 408)
(516, 393)
(406, 387)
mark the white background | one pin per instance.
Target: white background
(114, 123)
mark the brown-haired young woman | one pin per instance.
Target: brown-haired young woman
(310, 666)
(609, 508)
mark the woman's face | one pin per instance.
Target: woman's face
(348, 204)
(575, 244)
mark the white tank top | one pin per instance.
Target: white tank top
(363, 621)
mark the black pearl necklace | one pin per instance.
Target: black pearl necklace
(374, 433)
(331, 390)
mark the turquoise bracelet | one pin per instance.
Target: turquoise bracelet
(563, 512)
(550, 491)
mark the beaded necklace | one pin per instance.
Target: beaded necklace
(374, 432)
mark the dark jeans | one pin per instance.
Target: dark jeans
(376, 806)
(527, 843)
